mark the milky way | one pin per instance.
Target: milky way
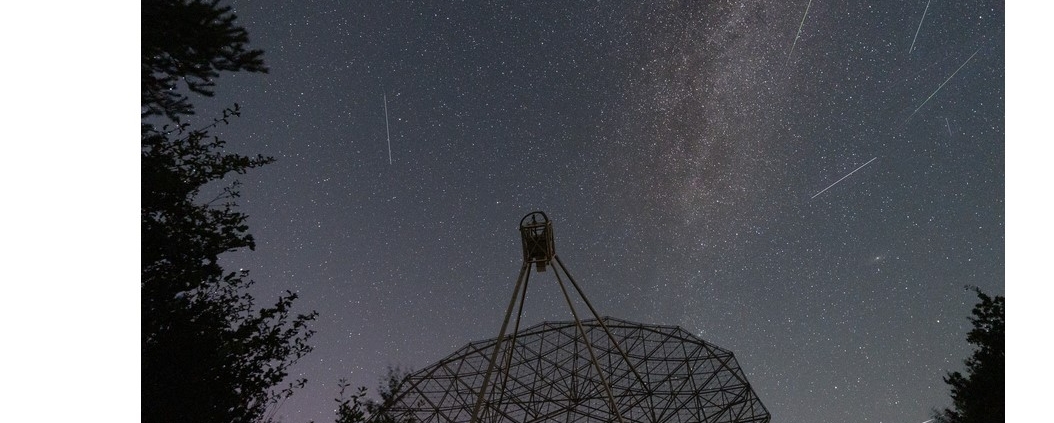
(675, 146)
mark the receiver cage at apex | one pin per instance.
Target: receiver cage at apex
(580, 371)
(536, 232)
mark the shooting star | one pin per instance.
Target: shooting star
(920, 26)
(386, 130)
(800, 25)
(949, 125)
(840, 180)
(942, 84)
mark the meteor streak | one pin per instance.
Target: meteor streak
(942, 85)
(800, 25)
(387, 131)
(920, 26)
(840, 180)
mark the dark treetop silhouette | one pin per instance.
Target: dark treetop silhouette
(980, 396)
(208, 353)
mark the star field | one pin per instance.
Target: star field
(675, 146)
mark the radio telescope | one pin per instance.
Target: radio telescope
(602, 369)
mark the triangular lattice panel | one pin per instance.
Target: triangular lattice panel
(679, 378)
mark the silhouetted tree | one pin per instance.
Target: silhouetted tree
(979, 396)
(356, 408)
(192, 42)
(208, 353)
(351, 408)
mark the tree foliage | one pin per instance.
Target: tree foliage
(979, 396)
(357, 408)
(189, 42)
(209, 354)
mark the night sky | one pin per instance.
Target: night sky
(811, 190)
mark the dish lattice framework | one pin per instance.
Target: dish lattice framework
(551, 378)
